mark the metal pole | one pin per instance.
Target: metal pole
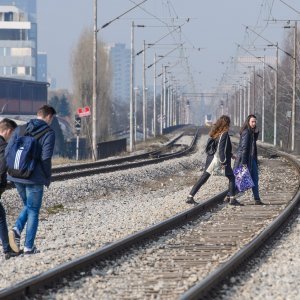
(135, 105)
(131, 122)
(94, 106)
(240, 103)
(294, 89)
(244, 98)
(161, 100)
(154, 98)
(235, 106)
(276, 98)
(263, 106)
(254, 90)
(165, 97)
(249, 96)
(144, 93)
(77, 145)
(169, 104)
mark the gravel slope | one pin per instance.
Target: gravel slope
(81, 215)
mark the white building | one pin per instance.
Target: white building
(18, 39)
(120, 60)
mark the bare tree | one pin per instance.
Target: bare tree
(82, 72)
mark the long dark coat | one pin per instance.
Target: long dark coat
(225, 154)
(247, 149)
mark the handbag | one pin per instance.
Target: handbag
(216, 168)
(243, 179)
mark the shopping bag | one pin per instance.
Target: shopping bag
(243, 179)
(215, 168)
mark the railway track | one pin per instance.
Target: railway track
(168, 151)
(202, 244)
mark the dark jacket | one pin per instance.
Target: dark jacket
(225, 154)
(247, 149)
(3, 167)
(42, 171)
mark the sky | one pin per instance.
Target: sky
(209, 38)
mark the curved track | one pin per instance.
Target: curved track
(214, 240)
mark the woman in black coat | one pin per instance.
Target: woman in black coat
(218, 135)
(247, 153)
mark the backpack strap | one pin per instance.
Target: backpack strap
(38, 135)
(22, 132)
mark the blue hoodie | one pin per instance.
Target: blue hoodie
(42, 171)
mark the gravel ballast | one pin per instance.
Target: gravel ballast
(81, 215)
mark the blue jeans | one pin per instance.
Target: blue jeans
(31, 195)
(3, 229)
(254, 175)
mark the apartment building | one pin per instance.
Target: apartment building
(120, 60)
(18, 39)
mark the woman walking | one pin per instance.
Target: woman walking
(247, 153)
(218, 135)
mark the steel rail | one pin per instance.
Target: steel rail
(152, 160)
(30, 286)
(200, 290)
(115, 161)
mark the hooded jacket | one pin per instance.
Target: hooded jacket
(42, 172)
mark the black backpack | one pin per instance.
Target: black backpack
(211, 146)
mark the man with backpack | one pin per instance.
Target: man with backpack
(28, 155)
(7, 127)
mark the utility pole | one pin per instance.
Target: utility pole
(294, 89)
(240, 102)
(165, 96)
(94, 106)
(276, 98)
(154, 97)
(245, 98)
(144, 93)
(131, 122)
(254, 90)
(161, 100)
(263, 106)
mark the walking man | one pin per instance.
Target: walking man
(31, 189)
(7, 127)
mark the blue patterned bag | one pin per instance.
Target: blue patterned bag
(243, 179)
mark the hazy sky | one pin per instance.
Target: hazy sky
(215, 26)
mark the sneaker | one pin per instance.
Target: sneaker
(11, 253)
(190, 200)
(226, 199)
(14, 240)
(235, 202)
(34, 250)
(258, 202)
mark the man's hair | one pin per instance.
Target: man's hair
(7, 124)
(46, 110)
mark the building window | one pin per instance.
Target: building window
(21, 70)
(14, 70)
(20, 51)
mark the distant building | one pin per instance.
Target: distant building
(18, 39)
(42, 67)
(21, 97)
(120, 60)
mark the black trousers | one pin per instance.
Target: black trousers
(3, 229)
(204, 177)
